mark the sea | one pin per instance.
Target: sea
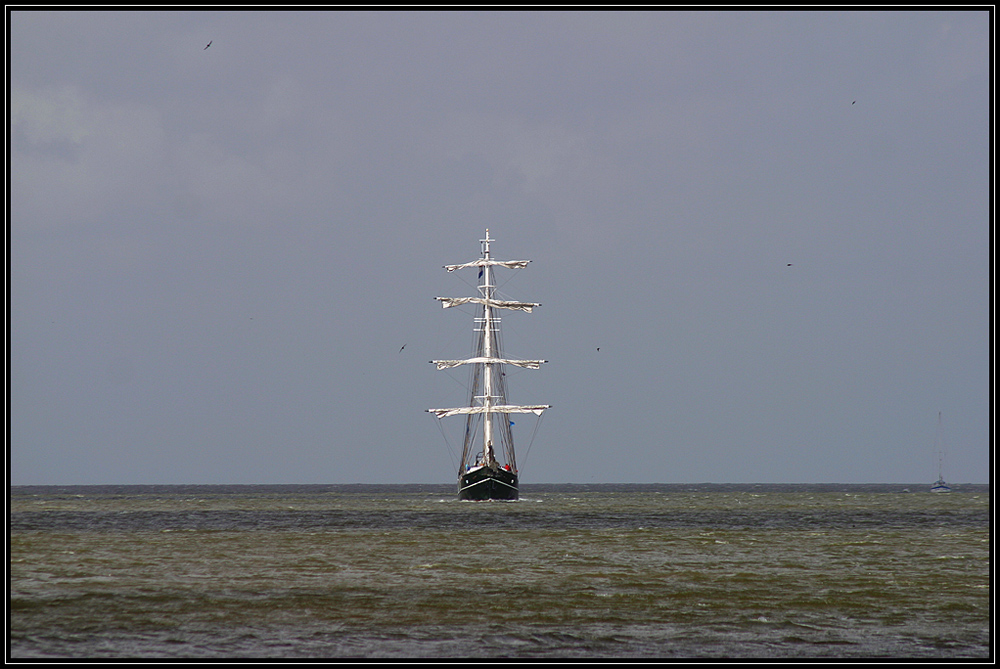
(568, 572)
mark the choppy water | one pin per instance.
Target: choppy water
(598, 571)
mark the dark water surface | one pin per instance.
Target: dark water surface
(598, 571)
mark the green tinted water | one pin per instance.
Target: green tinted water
(392, 571)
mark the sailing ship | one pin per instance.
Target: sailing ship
(940, 485)
(488, 467)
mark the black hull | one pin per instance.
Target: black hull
(485, 484)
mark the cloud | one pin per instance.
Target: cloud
(75, 161)
(81, 161)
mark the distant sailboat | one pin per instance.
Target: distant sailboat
(488, 469)
(940, 485)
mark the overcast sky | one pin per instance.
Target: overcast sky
(775, 227)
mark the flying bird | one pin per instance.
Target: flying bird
(208, 45)
(789, 265)
(402, 347)
(854, 102)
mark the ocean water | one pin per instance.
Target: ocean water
(574, 571)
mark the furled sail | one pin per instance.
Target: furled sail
(482, 262)
(536, 409)
(503, 304)
(527, 364)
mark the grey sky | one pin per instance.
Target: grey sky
(775, 226)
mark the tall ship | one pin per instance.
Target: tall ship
(488, 466)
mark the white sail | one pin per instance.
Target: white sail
(489, 302)
(527, 364)
(484, 262)
(536, 409)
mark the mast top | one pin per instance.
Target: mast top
(486, 244)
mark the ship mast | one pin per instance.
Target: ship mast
(488, 387)
(486, 290)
